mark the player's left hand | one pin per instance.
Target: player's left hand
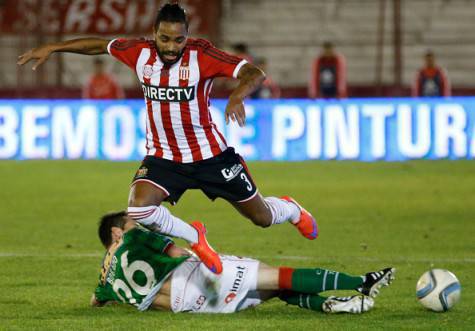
(235, 111)
(39, 54)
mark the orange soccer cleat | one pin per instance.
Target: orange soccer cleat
(204, 251)
(306, 225)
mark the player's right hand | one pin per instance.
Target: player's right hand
(235, 111)
(40, 54)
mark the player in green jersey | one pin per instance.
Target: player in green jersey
(147, 270)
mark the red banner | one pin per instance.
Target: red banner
(53, 17)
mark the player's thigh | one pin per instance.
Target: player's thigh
(194, 288)
(145, 194)
(157, 180)
(226, 176)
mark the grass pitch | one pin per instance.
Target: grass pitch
(414, 216)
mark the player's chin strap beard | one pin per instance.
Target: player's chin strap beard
(168, 62)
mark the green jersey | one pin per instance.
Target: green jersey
(134, 270)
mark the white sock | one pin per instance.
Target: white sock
(282, 211)
(159, 219)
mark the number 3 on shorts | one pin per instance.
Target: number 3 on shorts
(244, 178)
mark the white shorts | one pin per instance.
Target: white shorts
(196, 289)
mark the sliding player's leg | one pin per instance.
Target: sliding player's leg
(319, 280)
(269, 278)
(145, 207)
(354, 304)
(300, 287)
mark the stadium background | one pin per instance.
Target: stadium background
(415, 214)
(383, 41)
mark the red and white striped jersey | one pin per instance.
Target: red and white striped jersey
(179, 124)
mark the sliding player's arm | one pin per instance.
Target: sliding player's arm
(86, 46)
(176, 251)
(158, 241)
(95, 302)
(164, 245)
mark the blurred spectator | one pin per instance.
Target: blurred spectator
(431, 80)
(328, 75)
(241, 50)
(102, 85)
(269, 89)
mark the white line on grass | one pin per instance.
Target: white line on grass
(74, 255)
(371, 259)
(326, 259)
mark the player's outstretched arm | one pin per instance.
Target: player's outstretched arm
(250, 77)
(86, 46)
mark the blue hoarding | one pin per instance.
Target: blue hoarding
(292, 130)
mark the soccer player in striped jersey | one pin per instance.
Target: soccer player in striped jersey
(146, 270)
(185, 149)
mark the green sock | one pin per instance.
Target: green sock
(319, 280)
(307, 301)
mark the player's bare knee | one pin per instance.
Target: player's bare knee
(141, 202)
(138, 200)
(144, 200)
(145, 194)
